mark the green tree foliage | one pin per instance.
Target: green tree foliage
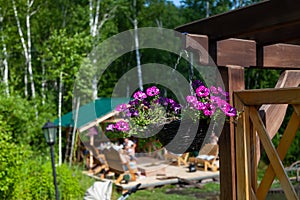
(11, 159)
(63, 53)
(19, 115)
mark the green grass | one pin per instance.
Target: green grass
(173, 192)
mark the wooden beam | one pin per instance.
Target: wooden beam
(242, 159)
(243, 52)
(272, 154)
(285, 142)
(236, 52)
(199, 45)
(282, 56)
(97, 121)
(258, 97)
(233, 78)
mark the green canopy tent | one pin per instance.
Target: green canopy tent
(89, 116)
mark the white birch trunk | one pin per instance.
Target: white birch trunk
(137, 53)
(5, 63)
(74, 130)
(29, 60)
(95, 26)
(136, 42)
(43, 82)
(91, 6)
(207, 9)
(59, 119)
(26, 49)
(23, 44)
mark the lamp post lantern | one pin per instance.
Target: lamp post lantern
(49, 130)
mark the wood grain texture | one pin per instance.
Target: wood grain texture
(258, 97)
(242, 173)
(285, 142)
(272, 154)
(236, 52)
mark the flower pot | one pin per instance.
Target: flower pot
(183, 136)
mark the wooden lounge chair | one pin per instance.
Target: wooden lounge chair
(180, 158)
(99, 163)
(207, 157)
(119, 162)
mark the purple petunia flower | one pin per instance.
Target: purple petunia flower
(197, 83)
(134, 102)
(229, 110)
(121, 107)
(199, 105)
(207, 112)
(209, 109)
(202, 91)
(122, 126)
(152, 91)
(170, 101)
(223, 92)
(163, 101)
(132, 112)
(139, 95)
(216, 100)
(177, 108)
(191, 99)
(213, 90)
(110, 127)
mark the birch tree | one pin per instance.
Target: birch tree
(136, 42)
(95, 26)
(132, 14)
(5, 56)
(26, 44)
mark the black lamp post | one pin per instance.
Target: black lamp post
(49, 130)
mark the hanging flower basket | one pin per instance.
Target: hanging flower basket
(174, 124)
(183, 136)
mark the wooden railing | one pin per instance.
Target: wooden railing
(251, 127)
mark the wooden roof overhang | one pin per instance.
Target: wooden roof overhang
(252, 35)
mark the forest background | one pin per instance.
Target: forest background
(43, 43)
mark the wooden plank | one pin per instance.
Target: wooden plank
(236, 52)
(97, 121)
(242, 173)
(199, 45)
(253, 146)
(233, 77)
(253, 195)
(272, 154)
(285, 142)
(273, 115)
(297, 110)
(270, 96)
(282, 55)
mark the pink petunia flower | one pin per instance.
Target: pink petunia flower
(191, 99)
(152, 91)
(110, 127)
(121, 107)
(122, 126)
(139, 95)
(202, 91)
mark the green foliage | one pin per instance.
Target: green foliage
(261, 78)
(11, 159)
(19, 115)
(35, 181)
